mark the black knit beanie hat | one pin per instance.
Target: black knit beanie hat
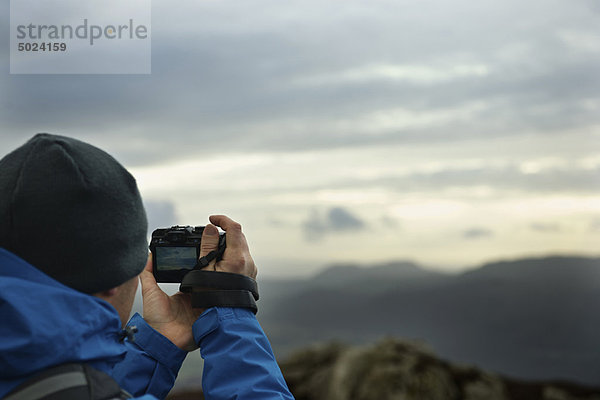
(72, 211)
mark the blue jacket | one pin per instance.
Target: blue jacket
(44, 323)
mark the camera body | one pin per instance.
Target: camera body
(175, 252)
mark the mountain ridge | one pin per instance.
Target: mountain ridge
(531, 318)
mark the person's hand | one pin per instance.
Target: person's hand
(173, 316)
(237, 257)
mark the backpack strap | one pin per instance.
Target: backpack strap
(69, 381)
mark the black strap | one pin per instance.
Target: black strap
(218, 280)
(205, 260)
(69, 381)
(215, 254)
(224, 298)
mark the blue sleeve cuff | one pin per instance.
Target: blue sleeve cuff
(156, 345)
(238, 360)
(210, 319)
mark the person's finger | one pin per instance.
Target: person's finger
(235, 237)
(147, 277)
(237, 257)
(208, 243)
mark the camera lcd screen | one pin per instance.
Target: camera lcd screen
(175, 258)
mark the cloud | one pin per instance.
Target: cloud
(477, 233)
(277, 222)
(494, 179)
(362, 106)
(161, 214)
(290, 77)
(509, 177)
(418, 74)
(334, 220)
(340, 219)
(545, 227)
(389, 222)
(595, 226)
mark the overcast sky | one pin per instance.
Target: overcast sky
(449, 133)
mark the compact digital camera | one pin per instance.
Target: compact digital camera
(175, 252)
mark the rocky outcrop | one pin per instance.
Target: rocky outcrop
(394, 369)
(401, 370)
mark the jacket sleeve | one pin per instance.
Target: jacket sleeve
(151, 364)
(238, 359)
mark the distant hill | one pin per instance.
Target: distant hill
(365, 280)
(355, 274)
(530, 319)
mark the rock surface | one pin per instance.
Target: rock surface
(394, 369)
(400, 370)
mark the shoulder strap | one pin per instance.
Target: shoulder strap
(69, 381)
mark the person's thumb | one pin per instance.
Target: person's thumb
(209, 242)
(147, 277)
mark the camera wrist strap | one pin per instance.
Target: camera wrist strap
(218, 280)
(205, 260)
(224, 298)
(220, 289)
